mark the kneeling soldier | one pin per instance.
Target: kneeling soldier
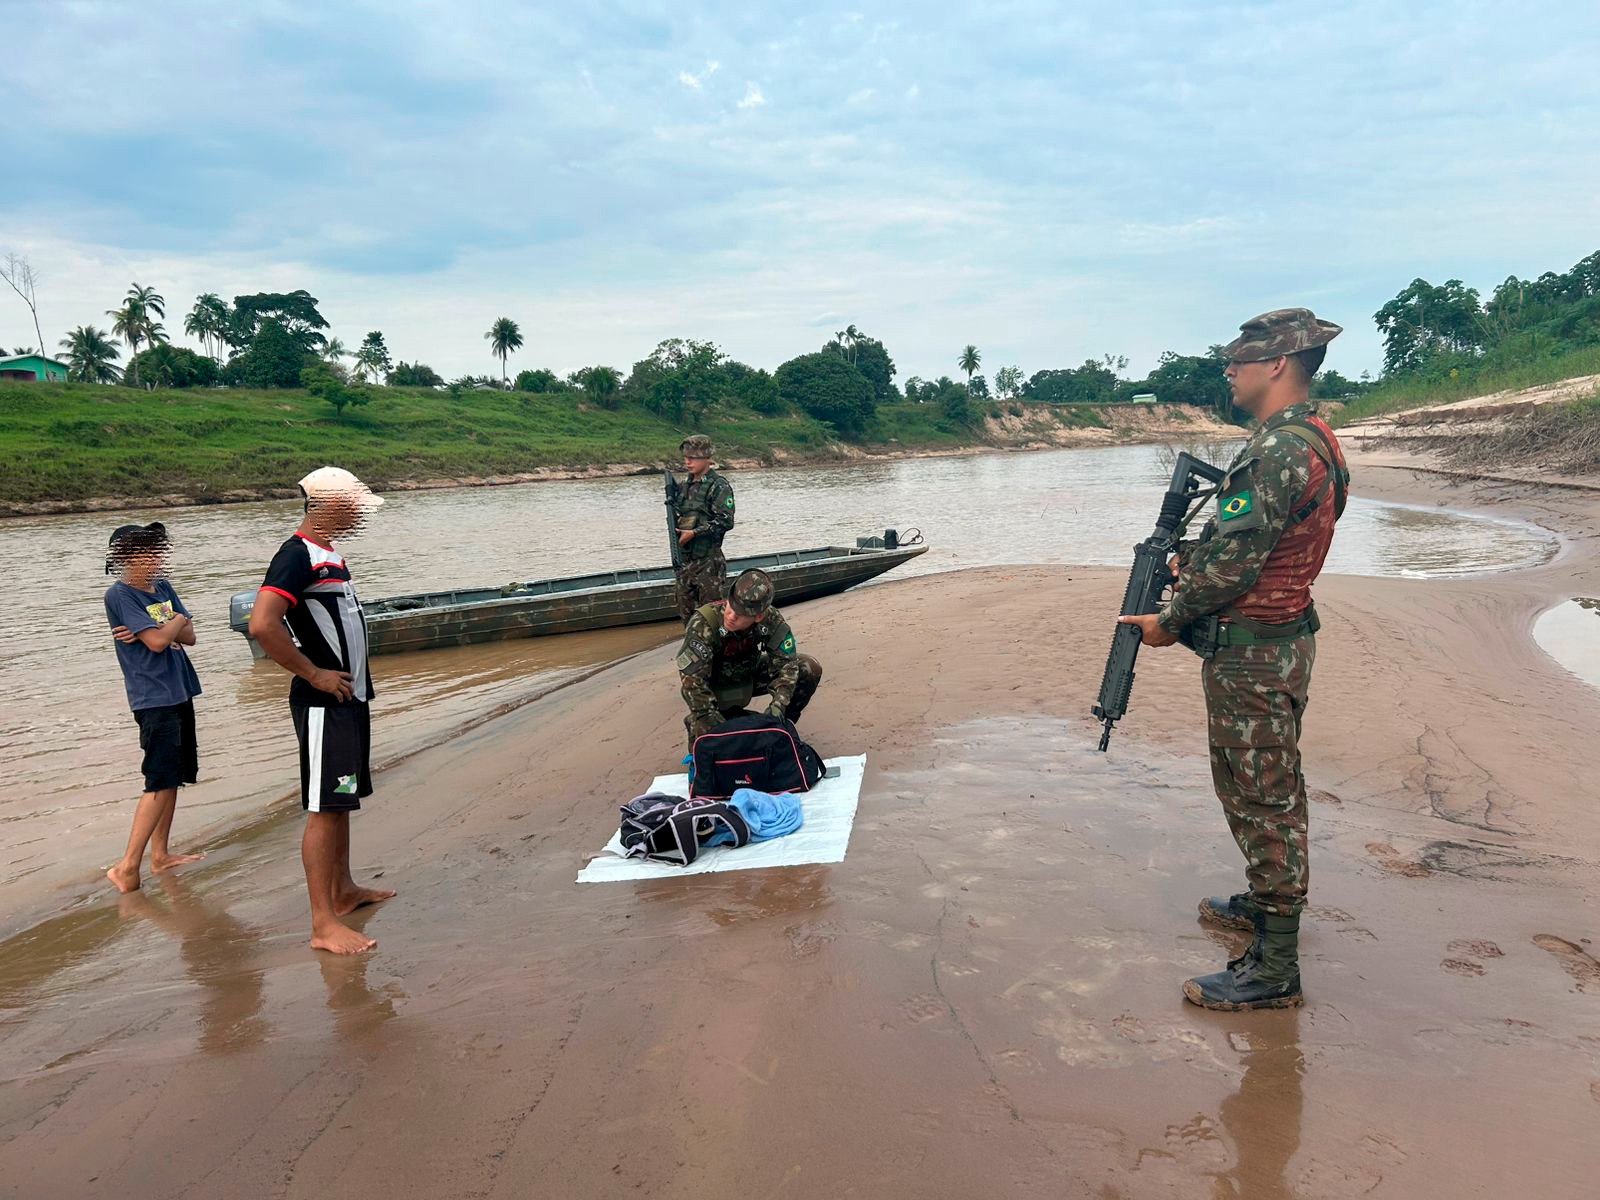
(740, 648)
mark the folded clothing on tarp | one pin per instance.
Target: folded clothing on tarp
(670, 829)
(768, 816)
(830, 810)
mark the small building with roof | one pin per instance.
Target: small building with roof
(32, 368)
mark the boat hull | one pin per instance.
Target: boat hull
(581, 603)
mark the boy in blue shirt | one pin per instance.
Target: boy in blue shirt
(151, 628)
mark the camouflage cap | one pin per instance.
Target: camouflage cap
(1281, 331)
(751, 593)
(696, 445)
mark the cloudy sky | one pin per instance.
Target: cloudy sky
(1049, 181)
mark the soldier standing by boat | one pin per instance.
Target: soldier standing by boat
(703, 514)
(1244, 595)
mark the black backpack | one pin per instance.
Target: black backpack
(671, 829)
(753, 751)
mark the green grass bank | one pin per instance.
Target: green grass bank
(1425, 392)
(73, 443)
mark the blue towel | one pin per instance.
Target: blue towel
(768, 816)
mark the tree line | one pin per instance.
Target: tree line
(281, 340)
(1446, 330)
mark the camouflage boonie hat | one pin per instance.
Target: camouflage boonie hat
(1281, 331)
(696, 445)
(751, 593)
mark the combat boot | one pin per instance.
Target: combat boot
(1235, 911)
(1265, 976)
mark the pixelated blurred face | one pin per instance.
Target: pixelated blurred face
(342, 516)
(735, 622)
(142, 559)
(695, 465)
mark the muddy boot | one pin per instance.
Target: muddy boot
(1265, 976)
(1235, 911)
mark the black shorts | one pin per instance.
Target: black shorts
(335, 755)
(171, 754)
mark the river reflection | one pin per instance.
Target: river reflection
(217, 951)
(69, 746)
(1262, 1118)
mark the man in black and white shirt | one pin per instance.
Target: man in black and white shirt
(307, 592)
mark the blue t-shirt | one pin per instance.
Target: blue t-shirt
(153, 680)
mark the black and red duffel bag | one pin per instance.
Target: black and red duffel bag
(753, 751)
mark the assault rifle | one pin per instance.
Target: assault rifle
(672, 519)
(1150, 578)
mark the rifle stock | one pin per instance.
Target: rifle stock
(1149, 578)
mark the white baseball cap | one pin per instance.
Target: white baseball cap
(329, 483)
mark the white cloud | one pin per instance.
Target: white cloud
(862, 96)
(752, 97)
(696, 82)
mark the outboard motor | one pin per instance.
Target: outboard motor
(889, 541)
(240, 606)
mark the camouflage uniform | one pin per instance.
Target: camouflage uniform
(721, 671)
(1256, 694)
(705, 505)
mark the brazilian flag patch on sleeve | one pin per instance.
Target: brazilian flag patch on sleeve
(728, 503)
(788, 646)
(1235, 507)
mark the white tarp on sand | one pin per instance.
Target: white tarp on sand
(829, 808)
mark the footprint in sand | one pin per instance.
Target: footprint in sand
(1022, 1061)
(1322, 1177)
(1465, 954)
(1574, 960)
(1323, 912)
(920, 1009)
(1389, 859)
(1198, 1143)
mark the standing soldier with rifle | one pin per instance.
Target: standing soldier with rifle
(1243, 599)
(700, 513)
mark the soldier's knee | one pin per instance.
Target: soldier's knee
(810, 668)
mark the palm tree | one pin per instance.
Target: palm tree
(969, 362)
(221, 321)
(373, 357)
(134, 324)
(503, 338)
(198, 324)
(601, 383)
(208, 321)
(847, 339)
(91, 355)
(335, 350)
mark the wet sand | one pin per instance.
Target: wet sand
(982, 1000)
(68, 744)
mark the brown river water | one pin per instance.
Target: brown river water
(69, 747)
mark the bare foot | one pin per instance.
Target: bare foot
(123, 879)
(336, 938)
(165, 862)
(348, 902)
